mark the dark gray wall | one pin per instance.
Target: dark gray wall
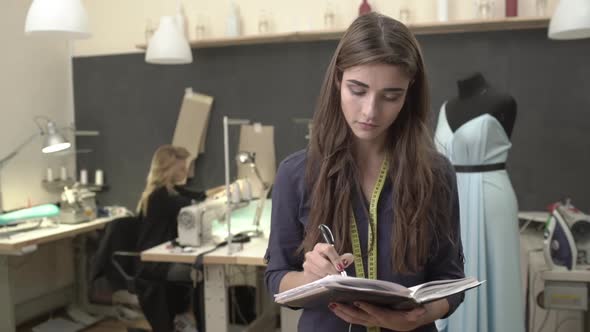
(135, 105)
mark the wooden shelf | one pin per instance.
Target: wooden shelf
(518, 23)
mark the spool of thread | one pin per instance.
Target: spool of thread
(246, 189)
(49, 174)
(63, 174)
(98, 177)
(83, 176)
(234, 191)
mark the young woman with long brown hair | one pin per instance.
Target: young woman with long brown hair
(372, 174)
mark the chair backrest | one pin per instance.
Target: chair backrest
(119, 235)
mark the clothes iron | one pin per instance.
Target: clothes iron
(567, 237)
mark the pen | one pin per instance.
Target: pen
(329, 238)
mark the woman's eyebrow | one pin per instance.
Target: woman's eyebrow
(364, 85)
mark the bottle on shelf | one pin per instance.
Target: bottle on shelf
(234, 22)
(364, 8)
(405, 12)
(329, 17)
(181, 19)
(511, 8)
(263, 22)
(442, 12)
(201, 25)
(150, 29)
(485, 9)
(541, 6)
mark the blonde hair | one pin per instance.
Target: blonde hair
(162, 172)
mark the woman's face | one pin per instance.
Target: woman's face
(181, 171)
(372, 96)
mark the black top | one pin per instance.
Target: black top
(290, 211)
(475, 98)
(159, 224)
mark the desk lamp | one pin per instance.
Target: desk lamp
(226, 123)
(249, 158)
(53, 141)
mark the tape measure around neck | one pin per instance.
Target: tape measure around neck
(371, 242)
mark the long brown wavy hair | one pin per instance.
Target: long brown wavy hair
(422, 195)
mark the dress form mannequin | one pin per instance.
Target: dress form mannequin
(475, 98)
(473, 131)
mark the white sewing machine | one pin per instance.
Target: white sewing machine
(195, 221)
(78, 204)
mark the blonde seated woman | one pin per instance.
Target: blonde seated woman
(167, 306)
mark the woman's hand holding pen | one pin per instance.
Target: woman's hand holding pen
(323, 260)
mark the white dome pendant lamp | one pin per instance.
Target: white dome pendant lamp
(571, 20)
(168, 46)
(58, 17)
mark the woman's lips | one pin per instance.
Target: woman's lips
(366, 126)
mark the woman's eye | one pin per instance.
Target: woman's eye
(391, 97)
(357, 92)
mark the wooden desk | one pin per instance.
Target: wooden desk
(163, 253)
(215, 271)
(215, 277)
(23, 242)
(251, 253)
(27, 242)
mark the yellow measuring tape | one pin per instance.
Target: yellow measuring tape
(356, 244)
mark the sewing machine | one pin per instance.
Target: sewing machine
(195, 221)
(78, 204)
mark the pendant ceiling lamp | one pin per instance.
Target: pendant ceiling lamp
(58, 17)
(571, 20)
(168, 46)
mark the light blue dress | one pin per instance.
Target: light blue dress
(489, 227)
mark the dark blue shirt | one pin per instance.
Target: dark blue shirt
(290, 210)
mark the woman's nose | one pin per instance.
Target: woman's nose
(370, 108)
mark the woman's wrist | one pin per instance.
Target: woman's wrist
(434, 310)
(291, 280)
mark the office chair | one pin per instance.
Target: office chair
(118, 237)
(122, 268)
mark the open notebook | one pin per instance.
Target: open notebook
(336, 288)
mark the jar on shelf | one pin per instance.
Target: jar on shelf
(405, 11)
(541, 7)
(485, 9)
(329, 16)
(263, 22)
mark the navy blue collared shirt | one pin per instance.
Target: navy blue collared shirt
(290, 210)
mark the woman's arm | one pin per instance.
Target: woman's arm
(286, 269)
(447, 262)
(291, 280)
(286, 232)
